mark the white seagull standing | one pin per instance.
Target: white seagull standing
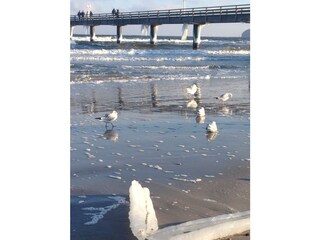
(201, 112)
(212, 127)
(193, 89)
(225, 97)
(109, 118)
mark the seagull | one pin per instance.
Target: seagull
(193, 89)
(201, 112)
(109, 118)
(212, 127)
(225, 97)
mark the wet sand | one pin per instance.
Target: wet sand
(158, 140)
(227, 194)
(190, 176)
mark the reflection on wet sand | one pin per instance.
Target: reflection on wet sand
(211, 136)
(200, 119)
(154, 93)
(120, 100)
(192, 104)
(225, 110)
(91, 106)
(158, 96)
(111, 135)
(197, 94)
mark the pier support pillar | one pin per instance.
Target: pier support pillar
(71, 31)
(153, 34)
(92, 33)
(119, 34)
(196, 35)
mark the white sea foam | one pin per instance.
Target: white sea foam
(98, 213)
(115, 177)
(90, 155)
(167, 67)
(187, 180)
(229, 52)
(209, 200)
(209, 176)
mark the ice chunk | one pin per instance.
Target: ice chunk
(143, 220)
(206, 228)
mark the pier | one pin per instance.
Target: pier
(193, 16)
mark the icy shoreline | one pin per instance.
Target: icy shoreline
(144, 223)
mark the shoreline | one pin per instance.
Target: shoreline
(226, 194)
(189, 177)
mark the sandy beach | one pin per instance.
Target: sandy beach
(190, 176)
(158, 139)
(226, 194)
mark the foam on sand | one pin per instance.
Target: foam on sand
(97, 214)
(144, 224)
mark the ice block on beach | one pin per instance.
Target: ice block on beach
(143, 220)
(206, 228)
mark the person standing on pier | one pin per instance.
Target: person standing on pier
(79, 14)
(117, 13)
(91, 14)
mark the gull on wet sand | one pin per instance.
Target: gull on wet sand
(193, 89)
(212, 127)
(201, 112)
(225, 97)
(109, 118)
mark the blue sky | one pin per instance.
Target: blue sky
(103, 6)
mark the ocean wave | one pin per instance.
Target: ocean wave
(182, 67)
(133, 59)
(167, 67)
(143, 39)
(96, 79)
(229, 52)
(104, 51)
(160, 40)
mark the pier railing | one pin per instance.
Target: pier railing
(185, 15)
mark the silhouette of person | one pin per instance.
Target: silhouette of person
(117, 13)
(79, 14)
(91, 13)
(113, 11)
